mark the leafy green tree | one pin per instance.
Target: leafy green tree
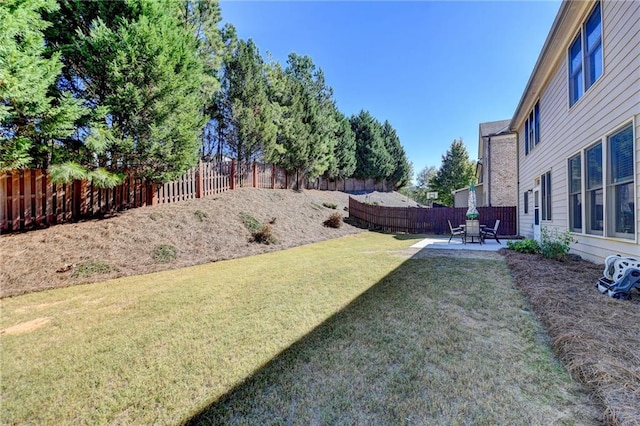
(372, 158)
(35, 118)
(455, 172)
(423, 184)
(403, 170)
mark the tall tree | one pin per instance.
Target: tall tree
(403, 170)
(423, 184)
(455, 172)
(342, 163)
(140, 67)
(35, 118)
(251, 124)
(372, 158)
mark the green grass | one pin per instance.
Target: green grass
(344, 331)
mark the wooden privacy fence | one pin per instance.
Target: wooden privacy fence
(28, 198)
(420, 220)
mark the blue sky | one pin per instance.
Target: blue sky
(434, 69)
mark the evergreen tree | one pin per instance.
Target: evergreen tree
(455, 172)
(251, 124)
(141, 69)
(35, 118)
(342, 163)
(401, 175)
(372, 158)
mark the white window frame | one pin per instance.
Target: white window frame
(606, 188)
(532, 129)
(581, 38)
(546, 189)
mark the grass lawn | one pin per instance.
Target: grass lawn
(348, 331)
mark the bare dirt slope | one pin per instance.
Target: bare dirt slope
(202, 230)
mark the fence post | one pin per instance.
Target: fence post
(200, 180)
(255, 175)
(273, 176)
(152, 194)
(232, 179)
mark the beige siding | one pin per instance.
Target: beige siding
(611, 102)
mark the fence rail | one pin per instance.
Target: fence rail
(419, 220)
(28, 198)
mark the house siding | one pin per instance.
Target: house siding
(613, 100)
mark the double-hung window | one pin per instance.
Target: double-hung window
(546, 195)
(585, 56)
(575, 194)
(608, 197)
(532, 129)
(594, 194)
(620, 194)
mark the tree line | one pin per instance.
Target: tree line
(96, 89)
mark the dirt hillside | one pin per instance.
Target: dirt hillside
(141, 240)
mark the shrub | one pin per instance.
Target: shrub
(200, 215)
(87, 269)
(524, 246)
(264, 235)
(164, 253)
(334, 221)
(330, 205)
(250, 222)
(555, 245)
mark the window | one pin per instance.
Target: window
(620, 193)
(575, 194)
(546, 196)
(526, 202)
(594, 195)
(585, 56)
(532, 129)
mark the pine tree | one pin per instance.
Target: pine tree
(342, 163)
(401, 175)
(372, 158)
(141, 69)
(455, 172)
(35, 118)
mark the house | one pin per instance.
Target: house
(578, 130)
(496, 174)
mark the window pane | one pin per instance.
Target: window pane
(574, 174)
(575, 70)
(536, 115)
(526, 136)
(575, 55)
(593, 28)
(624, 209)
(595, 211)
(621, 153)
(594, 166)
(594, 65)
(576, 212)
(526, 202)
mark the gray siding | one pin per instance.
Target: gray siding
(611, 102)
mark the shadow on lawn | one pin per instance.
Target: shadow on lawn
(366, 364)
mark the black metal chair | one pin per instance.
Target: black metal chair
(455, 232)
(492, 232)
(472, 230)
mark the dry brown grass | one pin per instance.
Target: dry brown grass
(201, 231)
(596, 337)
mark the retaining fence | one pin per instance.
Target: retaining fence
(28, 198)
(420, 220)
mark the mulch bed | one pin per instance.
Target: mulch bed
(595, 336)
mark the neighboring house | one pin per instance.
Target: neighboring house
(578, 126)
(495, 171)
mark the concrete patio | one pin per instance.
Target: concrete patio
(441, 242)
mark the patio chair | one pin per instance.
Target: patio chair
(492, 232)
(457, 231)
(472, 230)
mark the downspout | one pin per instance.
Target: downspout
(489, 172)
